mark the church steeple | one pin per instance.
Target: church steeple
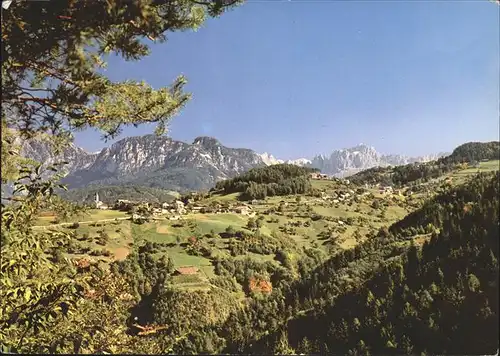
(98, 203)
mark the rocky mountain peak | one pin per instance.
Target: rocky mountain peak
(352, 160)
(362, 149)
(206, 141)
(154, 161)
(348, 161)
(39, 149)
(159, 161)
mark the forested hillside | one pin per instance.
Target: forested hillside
(471, 153)
(327, 267)
(441, 299)
(280, 179)
(474, 151)
(109, 194)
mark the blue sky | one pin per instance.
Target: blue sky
(300, 78)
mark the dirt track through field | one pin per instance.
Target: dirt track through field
(85, 222)
(81, 222)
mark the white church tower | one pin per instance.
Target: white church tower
(98, 203)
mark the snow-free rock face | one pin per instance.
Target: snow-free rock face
(39, 150)
(151, 160)
(134, 155)
(231, 161)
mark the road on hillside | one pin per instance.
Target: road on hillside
(89, 222)
(81, 222)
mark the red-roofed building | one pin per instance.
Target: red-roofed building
(259, 285)
(186, 270)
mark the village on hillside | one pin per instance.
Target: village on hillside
(173, 210)
(194, 202)
(336, 204)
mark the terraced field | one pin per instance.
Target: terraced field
(308, 222)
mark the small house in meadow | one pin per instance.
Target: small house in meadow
(242, 209)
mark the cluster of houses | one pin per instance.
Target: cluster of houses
(316, 175)
(339, 196)
(388, 190)
(176, 208)
(344, 196)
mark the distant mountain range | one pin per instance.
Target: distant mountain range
(345, 162)
(150, 160)
(161, 162)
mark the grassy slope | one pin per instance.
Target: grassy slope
(468, 172)
(93, 215)
(123, 233)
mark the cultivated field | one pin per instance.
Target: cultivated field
(469, 172)
(311, 222)
(93, 215)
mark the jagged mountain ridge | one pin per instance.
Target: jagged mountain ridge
(39, 149)
(161, 162)
(349, 161)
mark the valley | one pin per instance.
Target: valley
(251, 265)
(182, 177)
(292, 223)
(158, 164)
